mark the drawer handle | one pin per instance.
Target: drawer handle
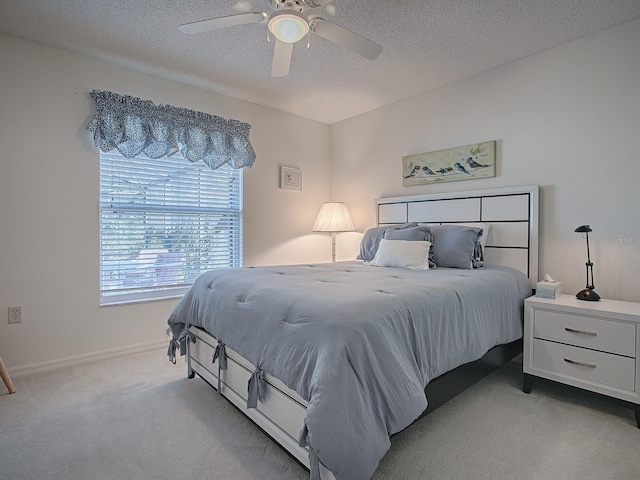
(582, 332)
(573, 362)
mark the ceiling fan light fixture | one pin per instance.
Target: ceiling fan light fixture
(288, 26)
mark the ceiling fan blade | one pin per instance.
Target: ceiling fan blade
(222, 22)
(318, 3)
(345, 38)
(281, 59)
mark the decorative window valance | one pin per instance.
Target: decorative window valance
(134, 126)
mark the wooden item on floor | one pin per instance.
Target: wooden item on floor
(5, 377)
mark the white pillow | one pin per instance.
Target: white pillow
(402, 254)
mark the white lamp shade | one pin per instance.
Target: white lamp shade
(288, 26)
(333, 217)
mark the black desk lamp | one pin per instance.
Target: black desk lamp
(588, 293)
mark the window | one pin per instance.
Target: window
(163, 222)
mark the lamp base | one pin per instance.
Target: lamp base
(588, 295)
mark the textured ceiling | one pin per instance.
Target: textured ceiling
(427, 43)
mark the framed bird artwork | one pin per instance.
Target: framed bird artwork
(468, 162)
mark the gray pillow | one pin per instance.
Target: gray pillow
(457, 246)
(419, 233)
(371, 240)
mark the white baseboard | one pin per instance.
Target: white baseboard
(75, 360)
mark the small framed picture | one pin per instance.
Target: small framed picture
(291, 178)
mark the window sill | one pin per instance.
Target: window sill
(130, 299)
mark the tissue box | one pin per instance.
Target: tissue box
(549, 289)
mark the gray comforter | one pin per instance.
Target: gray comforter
(358, 342)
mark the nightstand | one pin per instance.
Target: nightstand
(590, 345)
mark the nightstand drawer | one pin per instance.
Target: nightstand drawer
(590, 332)
(602, 368)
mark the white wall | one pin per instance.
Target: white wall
(49, 230)
(567, 119)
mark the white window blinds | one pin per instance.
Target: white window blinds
(163, 222)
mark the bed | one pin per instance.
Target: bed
(323, 356)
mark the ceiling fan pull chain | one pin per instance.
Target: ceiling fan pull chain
(268, 37)
(309, 39)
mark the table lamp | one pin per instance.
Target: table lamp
(588, 293)
(333, 217)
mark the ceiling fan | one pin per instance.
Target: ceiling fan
(289, 23)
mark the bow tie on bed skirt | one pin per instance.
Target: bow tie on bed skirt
(256, 388)
(220, 354)
(314, 461)
(180, 343)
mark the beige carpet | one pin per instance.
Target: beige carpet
(139, 417)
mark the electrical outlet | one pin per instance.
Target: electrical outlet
(15, 314)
